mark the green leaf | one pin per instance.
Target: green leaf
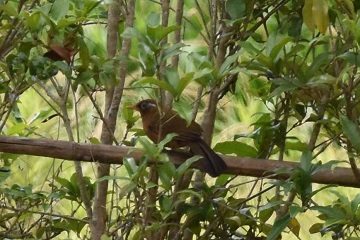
(131, 32)
(278, 47)
(17, 129)
(353, 58)
(266, 213)
(330, 165)
(321, 60)
(94, 140)
(171, 51)
(331, 212)
(64, 68)
(249, 47)
(89, 6)
(84, 77)
(200, 61)
(147, 60)
(65, 183)
(166, 140)
(305, 161)
(294, 226)
(70, 224)
(150, 148)
(153, 19)
(296, 145)
(34, 21)
(59, 9)
(294, 210)
(39, 232)
(226, 66)
(287, 81)
(126, 189)
(282, 88)
(294, 29)
(236, 9)
(295, 50)
(355, 204)
(279, 227)
(184, 110)
(9, 10)
(302, 181)
(319, 80)
(351, 131)
(84, 55)
(172, 77)
(307, 14)
(166, 205)
(186, 165)
(313, 193)
(270, 205)
(161, 84)
(235, 147)
(156, 34)
(166, 173)
(184, 81)
(128, 114)
(320, 14)
(4, 173)
(316, 228)
(201, 73)
(130, 165)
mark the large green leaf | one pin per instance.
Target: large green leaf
(172, 77)
(166, 174)
(186, 165)
(184, 81)
(131, 32)
(59, 9)
(171, 51)
(351, 131)
(236, 9)
(153, 19)
(305, 161)
(282, 88)
(235, 147)
(158, 33)
(225, 68)
(9, 9)
(278, 47)
(307, 14)
(279, 227)
(352, 58)
(320, 14)
(162, 84)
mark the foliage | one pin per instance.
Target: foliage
(298, 60)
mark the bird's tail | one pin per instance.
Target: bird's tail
(213, 164)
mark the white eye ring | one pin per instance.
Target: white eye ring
(146, 105)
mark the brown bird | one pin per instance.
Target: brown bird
(157, 124)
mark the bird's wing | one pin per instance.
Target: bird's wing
(188, 136)
(152, 131)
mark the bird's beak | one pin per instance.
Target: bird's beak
(133, 107)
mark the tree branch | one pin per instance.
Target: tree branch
(114, 155)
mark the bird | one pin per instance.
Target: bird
(157, 124)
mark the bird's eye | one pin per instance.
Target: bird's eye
(143, 105)
(146, 105)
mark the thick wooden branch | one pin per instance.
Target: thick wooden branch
(115, 154)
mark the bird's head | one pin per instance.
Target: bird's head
(144, 106)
